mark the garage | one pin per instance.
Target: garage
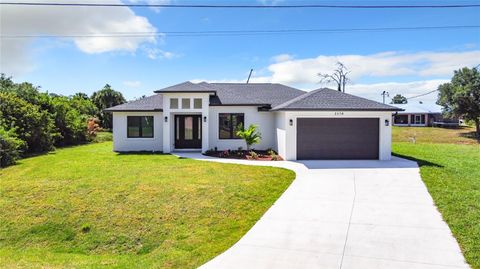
(338, 138)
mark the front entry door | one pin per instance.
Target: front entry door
(188, 131)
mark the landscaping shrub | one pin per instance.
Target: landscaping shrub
(69, 123)
(43, 120)
(251, 135)
(10, 147)
(253, 155)
(30, 124)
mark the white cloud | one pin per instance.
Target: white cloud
(384, 64)
(61, 21)
(132, 83)
(151, 2)
(156, 53)
(282, 58)
(371, 91)
(407, 89)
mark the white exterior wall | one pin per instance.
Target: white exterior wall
(264, 120)
(169, 125)
(281, 133)
(277, 133)
(385, 132)
(122, 143)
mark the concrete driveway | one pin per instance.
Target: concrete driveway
(347, 214)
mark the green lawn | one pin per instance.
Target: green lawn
(464, 135)
(451, 172)
(87, 207)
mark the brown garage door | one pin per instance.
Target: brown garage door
(339, 138)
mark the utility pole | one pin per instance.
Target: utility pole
(385, 94)
(249, 75)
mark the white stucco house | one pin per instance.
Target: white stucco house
(299, 125)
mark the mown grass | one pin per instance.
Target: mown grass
(103, 137)
(88, 207)
(463, 135)
(451, 173)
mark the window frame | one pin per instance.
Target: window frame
(172, 99)
(189, 103)
(195, 100)
(140, 127)
(232, 135)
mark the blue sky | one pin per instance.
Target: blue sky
(406, 62)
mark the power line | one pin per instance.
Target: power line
(420, 95)
(244, 32)
(237, 6)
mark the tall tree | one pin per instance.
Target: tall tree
(5, 82)
(399, 99)
(461, 96)
(105, 98)
(339, 76)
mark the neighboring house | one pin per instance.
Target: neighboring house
(321, 124)
(421, 114)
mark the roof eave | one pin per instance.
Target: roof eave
(133, 110)
(336, 109)
(239, 104)
(206, 91)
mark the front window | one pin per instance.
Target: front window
(228, 123)
(401, 119)
(197, 103)
(185, 103)
(139, 126)
(173, 103)
(417, 119)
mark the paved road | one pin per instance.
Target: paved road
(347, 214)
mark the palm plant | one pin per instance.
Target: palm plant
(251, 135)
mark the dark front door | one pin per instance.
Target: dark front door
(188, 131)
(337, 138)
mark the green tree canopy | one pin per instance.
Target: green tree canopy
(399, 99)
(461, 96)
(32, 125)
(105, 98)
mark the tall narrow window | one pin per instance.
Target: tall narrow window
(173, 103)
(139, 126)
(188, 128)
(228, 123)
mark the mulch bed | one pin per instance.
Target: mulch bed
(262, 155)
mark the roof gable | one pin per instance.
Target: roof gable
(262, 94)
(150, 103)
(328, 99)
(187, 87)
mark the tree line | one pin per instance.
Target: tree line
(33, 122)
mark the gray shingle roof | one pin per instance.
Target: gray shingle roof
(278, 96)
(150, 103)
(328, 99)
(239, 93)
(252, 94)
(187, 87)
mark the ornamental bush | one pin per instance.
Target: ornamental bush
(28, 122)
(10, 147)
